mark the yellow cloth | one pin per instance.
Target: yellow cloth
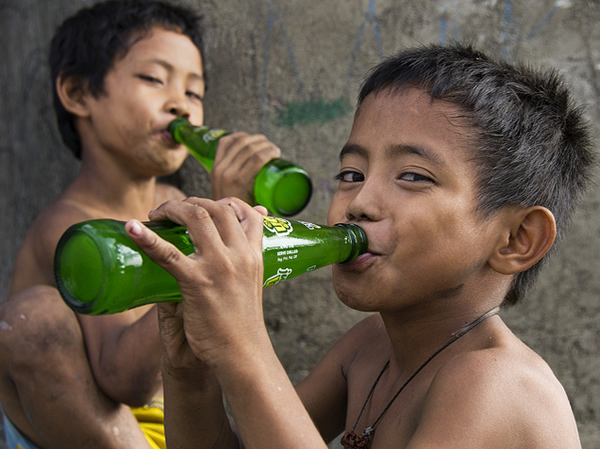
(151, 418)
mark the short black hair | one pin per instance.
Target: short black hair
(531, 143)
(86, 44)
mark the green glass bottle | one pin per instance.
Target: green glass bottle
(99, 270)
(281, 186)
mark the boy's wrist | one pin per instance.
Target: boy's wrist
(194, 378)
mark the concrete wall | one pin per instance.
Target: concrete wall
(290, 69)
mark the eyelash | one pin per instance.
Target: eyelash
(340, 176)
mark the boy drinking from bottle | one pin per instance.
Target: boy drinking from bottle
(121, 70)
(463, 172)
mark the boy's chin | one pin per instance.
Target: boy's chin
(349, 295)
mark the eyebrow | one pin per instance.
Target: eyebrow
(170, 67)
(352, 148)
(394, 150)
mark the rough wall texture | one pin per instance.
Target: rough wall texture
(290, 69)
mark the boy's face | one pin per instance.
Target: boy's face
(406, 180)
(159, 78)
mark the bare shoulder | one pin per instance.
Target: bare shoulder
(506, 394)
(34, 264)
(166, 192)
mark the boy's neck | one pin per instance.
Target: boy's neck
(112, 194)
(417, 335)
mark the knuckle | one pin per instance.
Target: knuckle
(171, 256)
(199, 213)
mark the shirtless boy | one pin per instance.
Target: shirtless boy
(462, 171)
(121, 72)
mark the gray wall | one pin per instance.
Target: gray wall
(290, 69)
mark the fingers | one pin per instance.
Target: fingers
(211, 225)
(250, 149)
(221, 283)
(161, 252)
(239, 158)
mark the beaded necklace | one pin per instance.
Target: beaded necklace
(350, 439)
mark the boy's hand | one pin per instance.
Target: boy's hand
(221, 283)
(178, 359)
(239, 158)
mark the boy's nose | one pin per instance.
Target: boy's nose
(179, 112)
(176, 103)
(367, 204)
(178, 109)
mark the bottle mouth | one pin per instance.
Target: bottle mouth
(172, 126)
(360, 244)
(79, 258)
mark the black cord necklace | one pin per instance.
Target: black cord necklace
(350, 439)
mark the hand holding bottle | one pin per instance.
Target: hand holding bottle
(239, 158)
(281, 186)
(221, 283)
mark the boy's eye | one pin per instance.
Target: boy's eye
(195, 96)
(150, 79)
(349, 176)
(414, 177)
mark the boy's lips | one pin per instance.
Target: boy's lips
(361, 263)
(168, 139)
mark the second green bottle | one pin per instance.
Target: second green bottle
(281, 186)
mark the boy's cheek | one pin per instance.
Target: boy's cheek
(334, 215)
(337, 209)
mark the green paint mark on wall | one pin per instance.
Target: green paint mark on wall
(306, 113)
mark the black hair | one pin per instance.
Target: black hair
(531, 143)
(85, 45)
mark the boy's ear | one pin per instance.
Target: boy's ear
(73, 93)
(528, 238)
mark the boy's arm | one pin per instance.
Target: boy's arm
(124, 353)
(125, 365)
(194, 410)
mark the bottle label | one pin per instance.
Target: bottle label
(279, 226)
(310, 226)
(213, 134)
(287, 254)
(281, 275)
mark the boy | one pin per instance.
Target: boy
(122, 70)
(461, 171)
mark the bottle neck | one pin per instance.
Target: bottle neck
(357, 238)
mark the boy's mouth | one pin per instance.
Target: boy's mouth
(168, 139)
(361, 263)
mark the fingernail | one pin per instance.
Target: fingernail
(135, 228)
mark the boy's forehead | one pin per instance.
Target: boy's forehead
(400, 121)
(159, 40)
